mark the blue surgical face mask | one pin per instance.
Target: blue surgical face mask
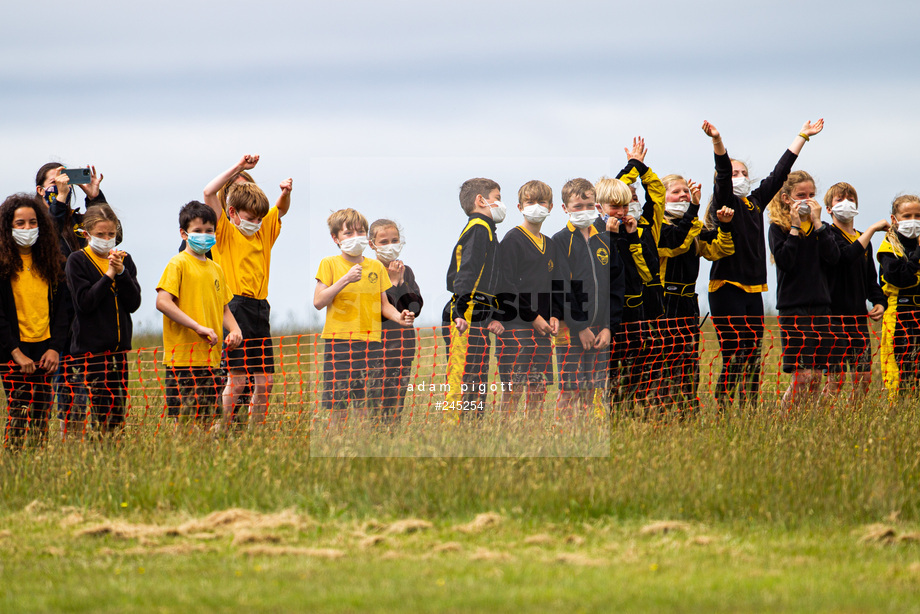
(201, 242)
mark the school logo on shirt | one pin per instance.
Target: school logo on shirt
(372, 277)
(217, 285)
(602, 255)
(549, 266)
(749, 204)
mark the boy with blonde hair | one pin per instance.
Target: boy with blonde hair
(245, 237)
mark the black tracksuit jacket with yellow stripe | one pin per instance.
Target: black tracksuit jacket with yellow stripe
(899, 273)
(646, 303)
(473, 273)
(680, 248)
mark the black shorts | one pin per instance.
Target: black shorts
(256, 354)
(581, 369)
(350, 368)
(525, 357)
(806, 338)
(192, 392)
(852, 346)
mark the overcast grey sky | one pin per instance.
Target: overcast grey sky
(388, 107)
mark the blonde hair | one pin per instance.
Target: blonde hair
(779, 211)
(892, 234)
(609, 191)
(339, 219)
(536, 191)
(224, 189)
(842, 189)
(667, 180)
(99, 213)
(248, 197)
(579, 187)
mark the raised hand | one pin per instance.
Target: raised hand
(810, 129)
(638, 150)
(92, 188)
(711, 131)
(287, 186)
(248, 162)
(62, 181)
(695, 191)
(396, 270)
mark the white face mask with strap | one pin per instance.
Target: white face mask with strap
(845, 210)
(909, 228)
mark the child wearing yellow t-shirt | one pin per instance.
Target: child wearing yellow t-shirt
(245, 237)
(34, 318)
(193, 296)
(352, 288)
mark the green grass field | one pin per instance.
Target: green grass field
(814, 511)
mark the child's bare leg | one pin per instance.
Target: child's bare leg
(800, 386)
(236, 383)
(261, 390)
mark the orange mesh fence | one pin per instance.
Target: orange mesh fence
(657, 367)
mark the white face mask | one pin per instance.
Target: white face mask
(804, 208)
(741, 186)
(101, 246)
(909, 228)
(389, 253)
(499, 211)
(535, 214)
(635, 210)
(583, 219)
(25, 237)
(249, 228)
(845, 210)
(354, 246)
(677, 209)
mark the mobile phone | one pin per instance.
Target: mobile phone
(78, 175)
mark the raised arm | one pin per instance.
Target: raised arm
(717, 147)
(808, 130)
(284, 201)
(246, 163)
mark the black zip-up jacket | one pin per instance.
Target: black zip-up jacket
(596, 290)
(854, 280)
(103, 306)
(59, 316)
(473, 273)
(748, 265)
(803, 265)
